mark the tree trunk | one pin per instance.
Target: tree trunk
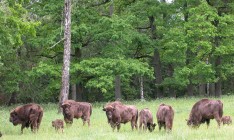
(202, 89)
(117, 87)
(212, 89)
(218, 90)
(156, 61)
(73, 90)
(79, 88)
(66, 56)
(141, 88)
(13, 99)
(190, 89)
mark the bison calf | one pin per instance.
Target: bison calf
(58, 125)
(204, 110)
(146, 118)
(73, 109)
(165, 116)
(27, 115)
(226, 120)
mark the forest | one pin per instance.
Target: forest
(120, 49)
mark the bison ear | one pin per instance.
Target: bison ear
(104, 109)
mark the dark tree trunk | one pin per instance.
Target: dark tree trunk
(202, 89)
(79, 94)
(117, 87)
(218, 84)
(190, 89)
(13, 99)
(73, 90)
(156, 61)
(212, 89)
(67, 52)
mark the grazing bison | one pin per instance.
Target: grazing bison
(146, 118)
(58, 124)
(226, 120)
(73, 109)
(27, 115)
(121, 114)
(204, 110)
(165, 116)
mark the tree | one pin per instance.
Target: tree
(67, 52)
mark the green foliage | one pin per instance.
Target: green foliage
(103, 71)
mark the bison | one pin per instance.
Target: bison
(165, 116)
(58, 124)
(121, 114)
(27, 115)
(146, 118)
(226, 120)
(204, 110)
(73, 109)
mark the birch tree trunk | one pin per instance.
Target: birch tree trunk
(66, 56)
(141, 88)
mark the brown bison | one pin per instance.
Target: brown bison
(204, 110)
(27, 115)
(73, 109)
(226, 120)
(58, 124)
(121, 114)
(146, 118)
(165, 116)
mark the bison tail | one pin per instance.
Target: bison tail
(221, 110)
(39, 118)
(90, 109)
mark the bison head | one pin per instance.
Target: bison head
(14, 118)
(66, 108)
(151, 126)
(192, 123)
(109, 112)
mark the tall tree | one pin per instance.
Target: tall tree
(67, 52)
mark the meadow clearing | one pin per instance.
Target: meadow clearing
(101, 130)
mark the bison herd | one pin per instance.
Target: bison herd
(117, 113)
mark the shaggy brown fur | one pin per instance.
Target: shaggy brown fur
(204, 110)
(165, 116)
(121, 114)
(58, 125)
(226, 120)
(27, 115)
(146, 118)
(73, 109)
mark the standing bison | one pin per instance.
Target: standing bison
(119, 113)
(27, 115)
(165, 116)
(204, 110)
(146, 118)
(73, 109)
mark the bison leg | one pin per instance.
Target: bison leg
(208, 122)
(22, 127)
(118, 127)
(217, 118)
(140, 126)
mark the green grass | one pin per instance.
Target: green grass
(100, 130)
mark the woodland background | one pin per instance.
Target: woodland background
(128, 49)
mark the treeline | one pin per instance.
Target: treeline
(127, 49)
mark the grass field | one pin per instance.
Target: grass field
(100, 130)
